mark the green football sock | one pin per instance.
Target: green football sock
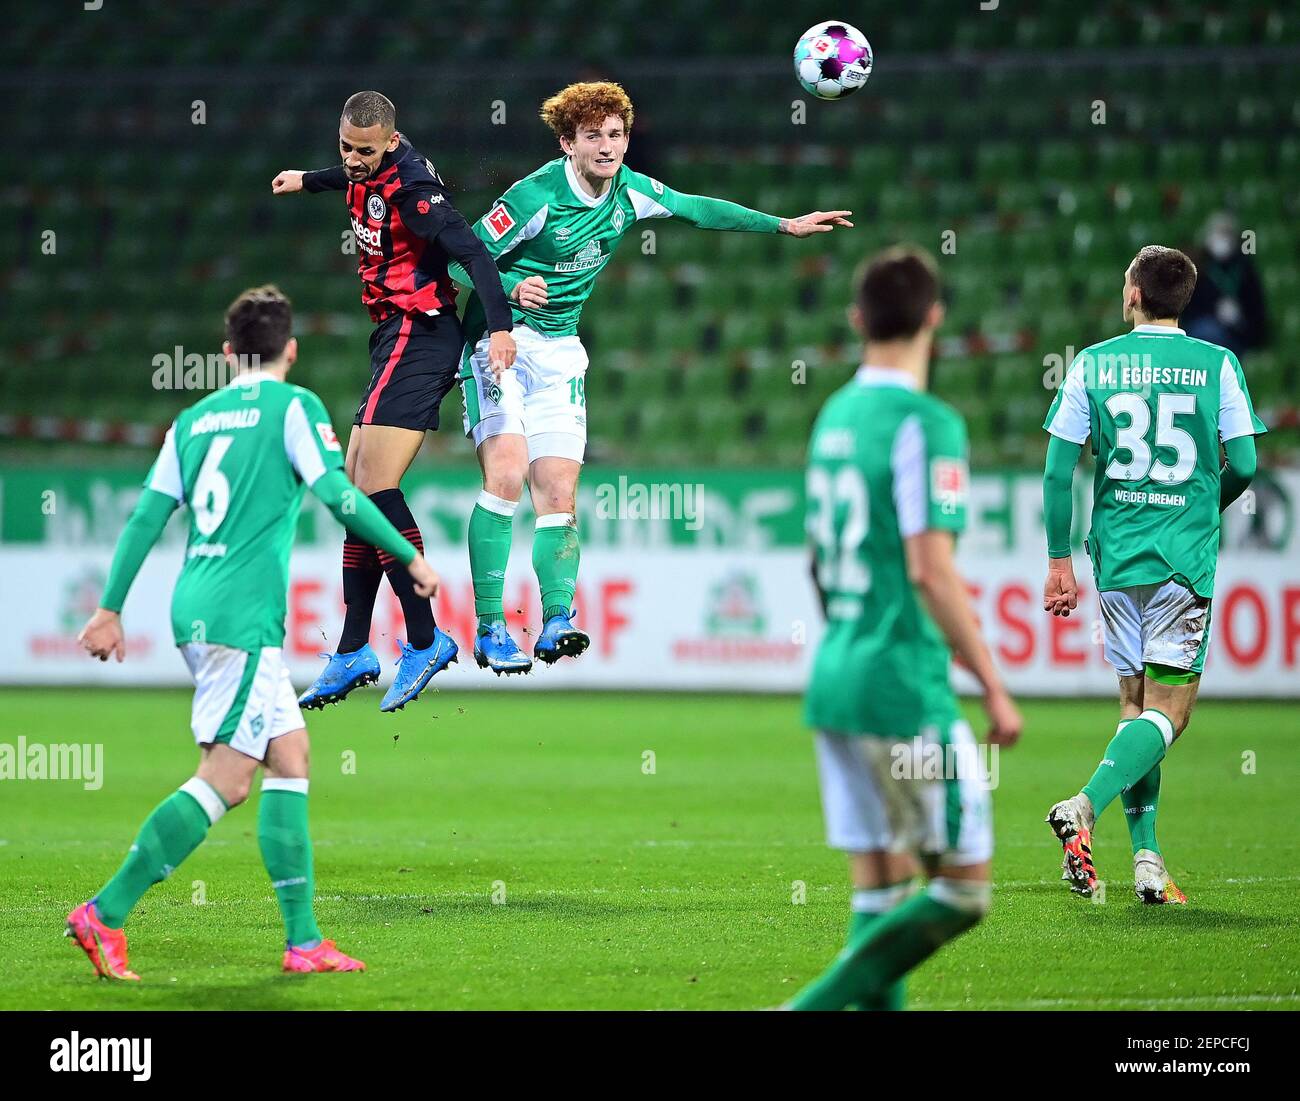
(286, 851)
(556, 553)
(893, 944)
(1138, 746)
(1140, 802)
(491, 527)
(869, 906)
(173, 830)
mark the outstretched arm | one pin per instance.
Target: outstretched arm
(323, 179)
(1061, 591)
(651, 199)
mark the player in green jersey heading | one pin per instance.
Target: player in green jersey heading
(1158, 406)
(901, 774)
(552, 233)
(240, 459)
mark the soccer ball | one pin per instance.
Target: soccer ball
(832, 59)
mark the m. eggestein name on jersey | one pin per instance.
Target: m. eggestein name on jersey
(1123, 376)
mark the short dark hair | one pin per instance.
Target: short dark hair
(370, 109)
(1166, 279)
(894, 290)
(259, 323)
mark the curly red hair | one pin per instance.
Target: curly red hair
(586, 105)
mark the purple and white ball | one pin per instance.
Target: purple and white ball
(832, 59)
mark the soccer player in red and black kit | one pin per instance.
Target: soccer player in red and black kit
(406, 230)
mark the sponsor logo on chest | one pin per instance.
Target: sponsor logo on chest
(589, 256)
(368, 239)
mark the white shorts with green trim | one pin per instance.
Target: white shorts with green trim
(1165, 624)
(241, 700)
(928, 794)
(543, 397)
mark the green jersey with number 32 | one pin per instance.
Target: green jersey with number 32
(241, 459)
(1156, 403)
(886, 462)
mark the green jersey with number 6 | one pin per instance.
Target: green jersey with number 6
(1156, 403)
(886, 462)
(242, 458)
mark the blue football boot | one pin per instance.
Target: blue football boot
(494, 649)
(343, 672)
(415, 668)
(560, 639)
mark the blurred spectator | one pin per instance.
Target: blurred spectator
(1227, 306)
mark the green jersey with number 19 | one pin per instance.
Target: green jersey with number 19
(886, 462)
(242, 458)
(1156, 403)
(546, 224)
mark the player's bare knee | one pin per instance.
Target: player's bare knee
(504, 482)
(560, 503)
(233, 788)
(288, 756)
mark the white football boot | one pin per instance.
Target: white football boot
(1151, 882)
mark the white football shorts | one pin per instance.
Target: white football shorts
(928, 794)
(1164, 624)
(240, 699)
(543, 397)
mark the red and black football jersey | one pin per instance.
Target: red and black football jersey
(406, 231)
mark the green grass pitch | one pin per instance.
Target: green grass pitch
(618, 886)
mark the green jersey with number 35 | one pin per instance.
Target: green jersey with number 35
(241, 458)
(1156, 404)
(886, 462)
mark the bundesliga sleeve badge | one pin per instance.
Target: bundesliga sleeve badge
(948, 478)
(498, 222)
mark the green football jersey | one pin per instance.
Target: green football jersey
(241, 459)
(885, 462)
(1156, 404)
(547, 225)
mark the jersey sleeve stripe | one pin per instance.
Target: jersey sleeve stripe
(646, 207)
(1070, 420)
(1234, 412)
(166, 474)
(300, 446)
(907, 462)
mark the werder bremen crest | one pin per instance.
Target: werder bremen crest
(494, 393)
(735, 609)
